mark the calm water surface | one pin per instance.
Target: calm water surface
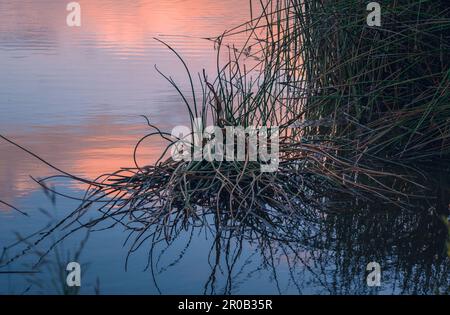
(74, 96)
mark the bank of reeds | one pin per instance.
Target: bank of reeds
(386, 87)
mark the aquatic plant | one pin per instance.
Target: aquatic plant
(352, 103)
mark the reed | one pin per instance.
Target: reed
(384, 88)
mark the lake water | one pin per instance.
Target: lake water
(74, 96)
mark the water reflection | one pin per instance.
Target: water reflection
(332, 257)
(124, 28)
(74, 95)
(103, 144)
(314, 252)
(309, 252)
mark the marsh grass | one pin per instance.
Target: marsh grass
(353, 105)
(385, 88)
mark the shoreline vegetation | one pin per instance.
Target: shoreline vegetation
(359, 108)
